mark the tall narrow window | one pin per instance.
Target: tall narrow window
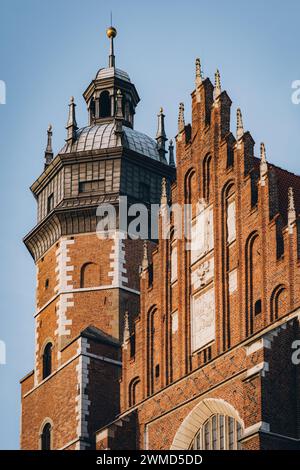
(104, 104)
(92, 108)
(47, 360)
(206, 177)
(50, 203)
(46, 437)
(133, 391)
(279, 240)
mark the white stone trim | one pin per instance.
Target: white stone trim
(64, 302)
(105, 433)
(82, 399)
(63, 277)
(261, 368)
(255, 428)
(117, 257)
(65, 364)
(84, 289)
(257, 345)
(62, 269)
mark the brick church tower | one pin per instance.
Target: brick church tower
(86, 284)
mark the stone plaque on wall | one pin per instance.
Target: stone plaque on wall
(231, 232)
(174, 264)
(202, 234)
(203, 319)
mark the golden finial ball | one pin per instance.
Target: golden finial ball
(111, 32)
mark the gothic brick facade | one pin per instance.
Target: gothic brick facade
(185, 341)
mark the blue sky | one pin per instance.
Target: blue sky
(51, 49)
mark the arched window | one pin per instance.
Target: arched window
(133, 391)
(47, 360)
(46, 437)
(219, 432)
(92, 108)
(89, 275)
(253, 288)
(206, 177)
(278, 302)
(173, 258)
(104, 104)
(152, 347)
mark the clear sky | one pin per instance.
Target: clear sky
(51, 49)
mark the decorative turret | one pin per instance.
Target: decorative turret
(171, 154)
(126, 335)
(101, 94)
(263, 163)
(239, 124)
(198, 79)
(161, 137)
(49, 151)
(291, 209)
(181, 122)
(145, 261)
(71, 124)
(217, 89)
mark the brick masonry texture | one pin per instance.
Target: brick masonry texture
(208, 332)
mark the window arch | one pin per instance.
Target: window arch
(47, 360)
(173, 257)
(206, 177)
(104, 104)
(46, 436)
(92, 108)
(89, 275)
(189, 185)
(190, 191)
(133, 391)
(151, 351)
(253, 290)
(229, 210)
(277, 302)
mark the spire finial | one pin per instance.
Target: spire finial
(49, 151)
(217, 90)
(145, 262)
(161, 137)
(263, 162)
(239, 124)
(71, 124)
(171, 154)
(111, 33)
(126, 335)
(291, 209)
(181, 122)
(198, 79)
